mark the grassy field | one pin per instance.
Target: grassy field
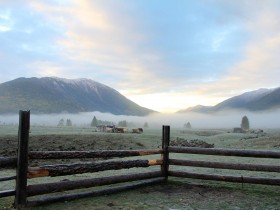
(177, 193)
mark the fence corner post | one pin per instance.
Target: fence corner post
(165, 154)
(22, 160)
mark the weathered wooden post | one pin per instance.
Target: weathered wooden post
(22, 159)
(165, 155)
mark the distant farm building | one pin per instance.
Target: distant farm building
(105, 128)
(238, 130)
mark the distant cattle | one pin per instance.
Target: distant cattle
(137, 130)
(109, 130)
(120, 130)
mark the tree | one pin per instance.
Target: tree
(188, 125)
(68, 122)
(61, 122)
(122, 123)
(146, 125)
(94, 122)
(245, 123)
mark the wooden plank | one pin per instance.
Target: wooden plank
(226, 178)
(223, 165)
(155, 162)
(90, 154)
(7, 193)
(79, 168)
(165, 155)
(226, 152)
(7, 178)
(22, 161)
(8, 162)
(107, 191)
(40, 189)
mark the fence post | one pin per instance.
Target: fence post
(22, 159)
(165, 155)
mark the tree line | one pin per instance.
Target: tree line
(123, 123)
(245, 125)
(96, 122)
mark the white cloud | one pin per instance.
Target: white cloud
(4, 28)
(6, 23)
(46, 69)
(101, 35)
(259, 66)
(218, 50)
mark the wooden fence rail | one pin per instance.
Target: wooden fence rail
(226, 178)
(23, 191)
(7, 193)
(79, 168)
(11, 162)
(8, 162)
(39, 189)
(7, 178)
(106, 191)
(90, 154)
(226, 152)
(223, 165)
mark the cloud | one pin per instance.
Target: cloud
(179, 53)
(144, 56)
(259, 65)
(108, 40)
(46, 68)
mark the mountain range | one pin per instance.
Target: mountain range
(257, 100)
(56, 95)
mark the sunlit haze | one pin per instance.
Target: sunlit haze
(227, 120)
(163, 55)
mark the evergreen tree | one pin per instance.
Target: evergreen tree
(146, 125)
(122, 123)
(245, 123)
(188, 125)
(105, 122)
(94, 122)
(68, 122)
(61, 122)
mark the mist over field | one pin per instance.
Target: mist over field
(227, 119)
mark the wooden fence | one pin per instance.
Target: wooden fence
(23, 192)
(226, 165)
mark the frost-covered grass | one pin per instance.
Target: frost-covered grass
(179, 193)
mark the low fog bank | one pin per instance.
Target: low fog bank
(265, 120)
(228, 120)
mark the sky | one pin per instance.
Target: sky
(165, 55)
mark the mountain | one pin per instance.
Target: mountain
(197, 108)
(56, 95)
(258, 100)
